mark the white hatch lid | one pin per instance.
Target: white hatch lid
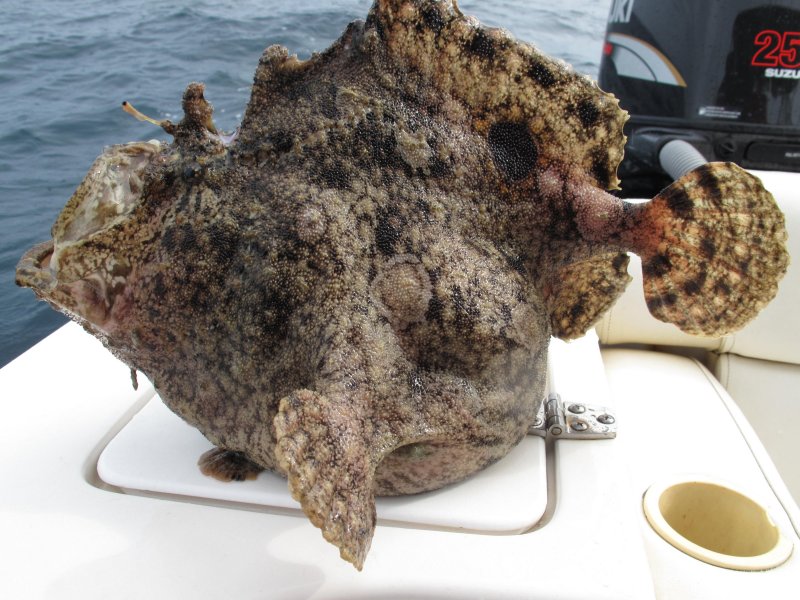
(157, 452)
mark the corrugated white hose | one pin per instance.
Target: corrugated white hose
(678, 157)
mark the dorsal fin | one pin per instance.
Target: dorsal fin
(500, 80)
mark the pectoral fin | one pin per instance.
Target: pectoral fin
(324, 450)
(713, 250)
(227, 465)
(578, 294)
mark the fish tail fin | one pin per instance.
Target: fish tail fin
(713, 249)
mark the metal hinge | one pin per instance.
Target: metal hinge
(574, 421)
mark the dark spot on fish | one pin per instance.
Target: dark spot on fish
(744, 265)
(679, 202)
(658, 266)
(485, 441)
(332, 174)
(327, 105)
(224, 241)
(282, 141)
(513, 149)
(188, 238)
(701, 278)
(339, 266)
(435, 310)
(168, 239)
(183, 203)
(708, 181)
(423, 206)
(620, 262)
(387, 232)
(706, 177)
(507, 343)
(505, 313)
(588, 112)
(691, 287)
(381, 144)
(708, 248)
(438, 167)
(563, 218)
(199, 301)
(670, 299)
(272, 309)
(517, 262)
(541, 74)
(313, 265)
(433, 18)
(159, 289)
(466, 310)
(657, 302)
(600, 169)
(191, 172)
(578, 309)
(482, 45)
(380, 29)
(300, 89)
(722, 288)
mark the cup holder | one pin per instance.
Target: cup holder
(715, 523)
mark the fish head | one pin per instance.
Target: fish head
(84, 270)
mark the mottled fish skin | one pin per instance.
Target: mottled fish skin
(359, 289)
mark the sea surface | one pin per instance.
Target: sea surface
(66, 66)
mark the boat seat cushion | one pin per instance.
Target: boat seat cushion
(768, 393)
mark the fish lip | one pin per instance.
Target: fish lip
(33, 269)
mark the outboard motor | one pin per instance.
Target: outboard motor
(721, 75)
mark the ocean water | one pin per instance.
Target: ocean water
(65, 68)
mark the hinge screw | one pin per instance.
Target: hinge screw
(577, 409)
(606, 419)
(579, 426)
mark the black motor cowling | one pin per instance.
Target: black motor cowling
(720, 74)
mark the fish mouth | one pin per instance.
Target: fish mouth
(72, 275)
(85, 299)
(33, 269)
